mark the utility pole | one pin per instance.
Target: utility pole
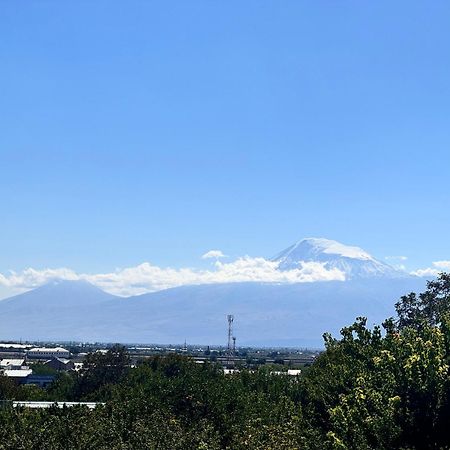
(230, 318)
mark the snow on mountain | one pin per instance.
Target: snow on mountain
(354, 262)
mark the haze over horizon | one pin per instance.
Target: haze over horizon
(154, 135)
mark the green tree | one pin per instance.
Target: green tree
(8, 389)
(101, 370)
(413, 310)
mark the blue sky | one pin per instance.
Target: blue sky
(155, 131)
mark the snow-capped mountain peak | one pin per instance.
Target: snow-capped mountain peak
(354, 262)
(328, 246)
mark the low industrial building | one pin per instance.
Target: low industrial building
(26, 376)
(60, 364)
(48, 353)
(39, 380)
(19, 376)
(14, 347)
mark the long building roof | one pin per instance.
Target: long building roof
(48, 349)
(90, 405)
(19, 373)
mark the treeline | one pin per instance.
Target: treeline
(381, 388)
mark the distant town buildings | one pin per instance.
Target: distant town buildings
(14, 365)
(33, 364)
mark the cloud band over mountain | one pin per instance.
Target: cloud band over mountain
(308, 260)
(149, 278)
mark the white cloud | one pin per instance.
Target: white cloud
(149, 278)
(438, 267)
(216, 254)
(31, 278)
(428, 272)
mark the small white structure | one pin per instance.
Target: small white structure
(11, 363)
(48, 353)
(290, 372)
(18, 375)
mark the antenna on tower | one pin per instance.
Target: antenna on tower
(230, 346)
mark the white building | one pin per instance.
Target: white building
(11, 363)
(17, 375)
(48, 353)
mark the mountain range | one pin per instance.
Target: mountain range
(266, 314)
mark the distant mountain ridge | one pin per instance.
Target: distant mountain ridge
(266, 314)
(59, 293)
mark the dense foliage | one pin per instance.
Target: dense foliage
(381, 388)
